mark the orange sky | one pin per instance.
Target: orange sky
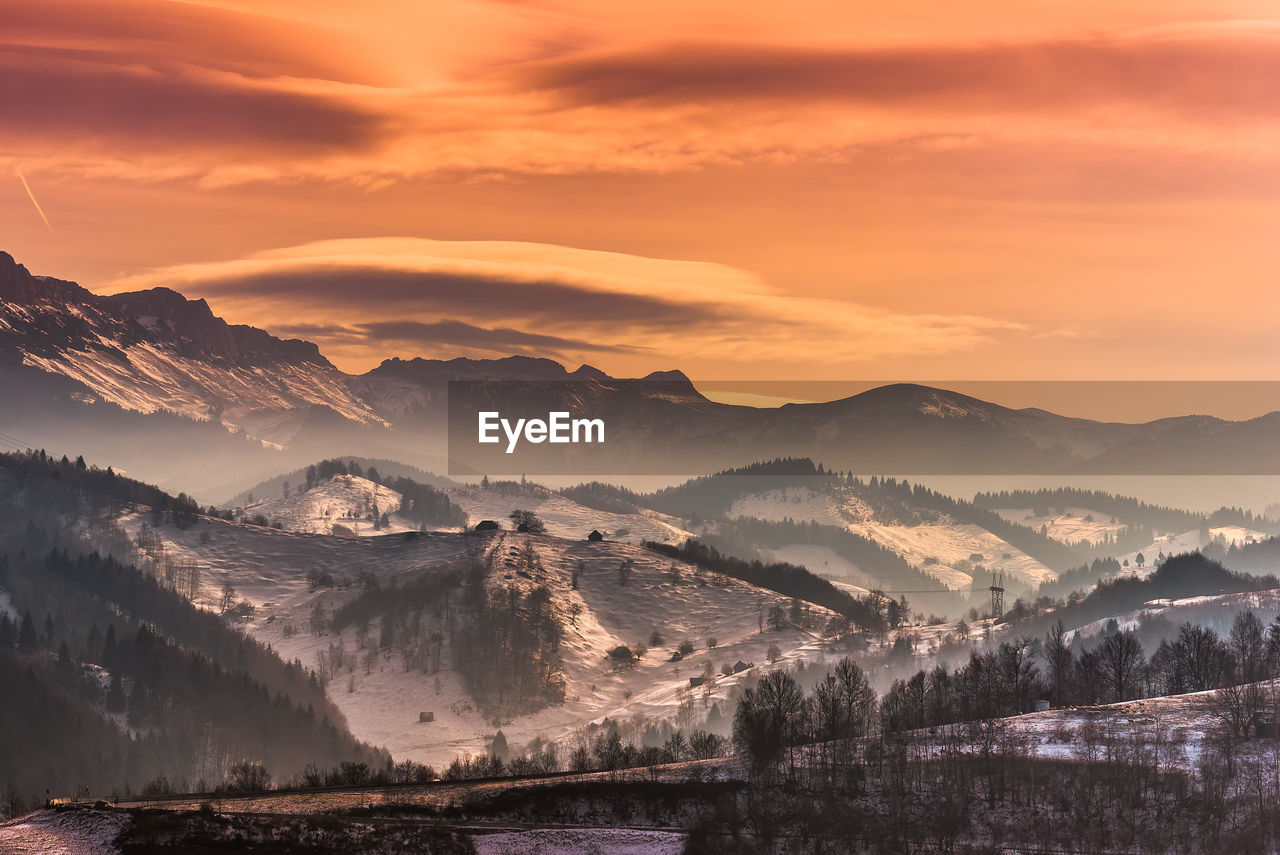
(988, 190)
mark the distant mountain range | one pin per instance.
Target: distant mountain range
(155, 381)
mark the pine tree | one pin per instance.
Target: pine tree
(138, 703)
(115, 695)
(27, 640)
(109, 647)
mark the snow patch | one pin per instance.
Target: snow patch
(63, 832)
(581, 841)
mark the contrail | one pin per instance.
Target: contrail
(32, 197)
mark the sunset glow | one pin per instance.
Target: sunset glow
(1061, 191)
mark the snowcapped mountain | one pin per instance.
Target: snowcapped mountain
(156, 351)
(161, 374)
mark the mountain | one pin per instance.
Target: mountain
(155, 350)
(141, 379)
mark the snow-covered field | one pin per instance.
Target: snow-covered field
(952, 544)
(344, 500)
(565, 517)
(94, 832)
(1187, 541)
(347, 500)
(583, 841)
(1179, 725)
(802, 505)
(1070, 526)
(1216, 611)
(62, 832)
(270, 569)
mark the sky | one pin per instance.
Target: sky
(941, 191)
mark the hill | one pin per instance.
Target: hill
(391, 622)
(112, 679)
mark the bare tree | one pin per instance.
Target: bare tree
(767, 719)
(1122, 661)
(1018, 672)
(228, 597)
(1058, 660)
(1248, 648)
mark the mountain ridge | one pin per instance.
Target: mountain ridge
(154, 351)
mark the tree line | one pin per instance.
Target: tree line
(790, 580)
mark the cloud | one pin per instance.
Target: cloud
(451, 333)
(145, 32)
(146, 90)
(1207, 76)
(94, 101)
(395, 291)
(348, 287)
(533, 282)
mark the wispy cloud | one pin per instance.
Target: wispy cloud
(434, 335)
(495, 294)
(147, 90)
(1207, 76)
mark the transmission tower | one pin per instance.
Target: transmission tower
(997, 594)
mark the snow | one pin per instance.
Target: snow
(1180, 723)
(565, 517)
(1187, 541)
(270, 567)
(952, 544)
(949, 542)
(1200, 610)
(581, 841)
(801, 504)
(265, 404)
(344, 500)
(1071, 526)
(63, 832)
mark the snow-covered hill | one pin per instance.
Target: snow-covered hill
(1215, 611)
(565, 517)
(801, 504)
(346, 501)
(382, 698)
(1187, 541)
(1069, 525)
(941, 547)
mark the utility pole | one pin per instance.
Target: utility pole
(997, 594)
